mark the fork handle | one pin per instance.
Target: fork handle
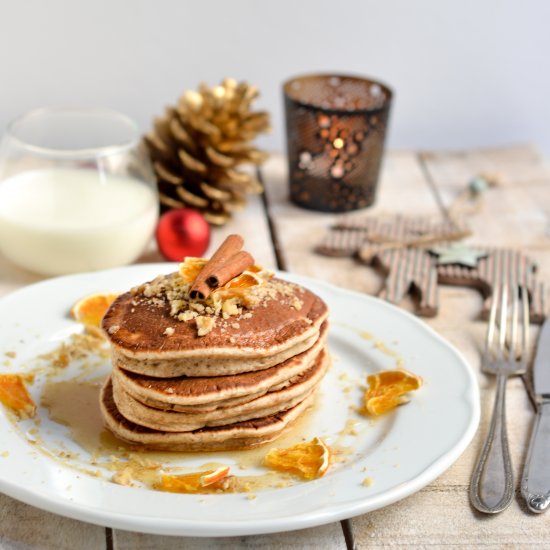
(492, 485)
(535, 486)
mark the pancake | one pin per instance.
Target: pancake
(209, 366)
(266, 405)
(286, 321)
(241, 435)
(209, 393)
(207, 407)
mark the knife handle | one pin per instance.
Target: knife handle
(535, 486)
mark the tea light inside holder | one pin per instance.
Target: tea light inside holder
(336, 127)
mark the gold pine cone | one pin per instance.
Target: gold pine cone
(198, 144)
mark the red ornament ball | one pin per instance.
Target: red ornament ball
(182, 232)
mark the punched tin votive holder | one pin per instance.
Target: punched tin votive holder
(336, 126)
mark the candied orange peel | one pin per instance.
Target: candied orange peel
(191, 267)
(388, 389)
(253, 276)
(196, 482)
(91, 309)
(309, 460)
(14, 395)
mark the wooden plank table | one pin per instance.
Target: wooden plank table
(515, 214)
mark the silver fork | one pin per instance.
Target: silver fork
(506, 350)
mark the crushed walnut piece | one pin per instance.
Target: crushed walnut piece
(230, 308)
(204, 325)
(78, 346)
(123, 477)
(168, 331)
(187, 315)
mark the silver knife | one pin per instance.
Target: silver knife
(535, 485)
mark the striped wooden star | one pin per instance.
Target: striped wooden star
(458, 253)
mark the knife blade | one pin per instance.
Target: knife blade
(541, 366)
(535, 486)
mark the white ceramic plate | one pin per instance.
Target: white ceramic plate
(400, 453)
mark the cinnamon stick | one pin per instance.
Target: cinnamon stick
(233, 267)
(222, 260)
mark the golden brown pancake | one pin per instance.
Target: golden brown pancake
(186, 393)
(137, 328)
(242, 435)
(266, 405)
(210, 366)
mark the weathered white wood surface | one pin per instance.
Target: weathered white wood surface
(24, 527)
(325, 536)
(515, 214)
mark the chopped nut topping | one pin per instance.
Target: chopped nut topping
(367, 482)
(187, 315)
(237, 298)
(78, 346)
(168, 331)
(124, 477)
(204, 325)
(230, 308)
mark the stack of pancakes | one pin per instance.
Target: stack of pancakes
(241, 384)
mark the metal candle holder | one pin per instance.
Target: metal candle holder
(336, 127)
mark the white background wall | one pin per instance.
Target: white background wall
(466, 72)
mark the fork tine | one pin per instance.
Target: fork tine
(513, 341)
(491, 327)
(503, 322)
(525, 324)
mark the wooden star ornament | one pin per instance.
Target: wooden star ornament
(458, 253)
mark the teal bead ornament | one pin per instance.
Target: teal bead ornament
(478, 185)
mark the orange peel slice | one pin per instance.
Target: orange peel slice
(90, 310)
(387, 390)
(308, 460)
(196, 482)
(191, 267)
(235, 288)
(15, 396)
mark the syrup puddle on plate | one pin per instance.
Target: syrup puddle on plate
(70, 430)
(65, 402)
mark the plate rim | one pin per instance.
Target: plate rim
(233, 527)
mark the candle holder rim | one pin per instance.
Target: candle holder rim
(336, 110)
(83, 152)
